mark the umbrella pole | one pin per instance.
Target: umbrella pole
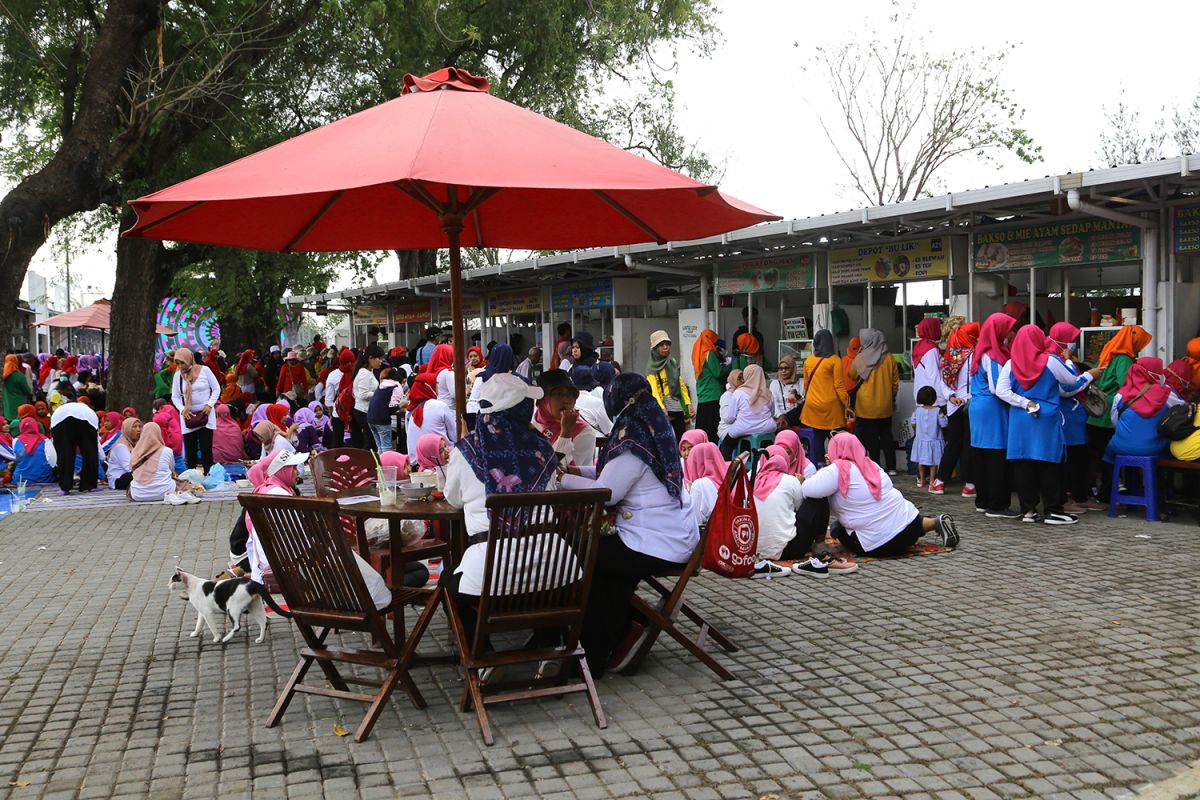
(452, 225)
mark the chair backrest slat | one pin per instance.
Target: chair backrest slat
(303, 541)
(541, 552)
(338, 471)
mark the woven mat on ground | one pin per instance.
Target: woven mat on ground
(48, 498)
(921, 548)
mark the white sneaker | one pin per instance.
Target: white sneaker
(769, 569)
(190, 498)
(813, 568)
(175, 499)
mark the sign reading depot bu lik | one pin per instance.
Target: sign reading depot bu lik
(1062, 244)
(765, 274)
(891, 261)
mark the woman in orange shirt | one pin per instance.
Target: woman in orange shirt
(826, 402)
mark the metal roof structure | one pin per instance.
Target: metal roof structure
(1127, 189)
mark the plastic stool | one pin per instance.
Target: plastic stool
(754, 442)
(1149, 495)
(808, 438)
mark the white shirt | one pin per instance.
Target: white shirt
(786, 397)
(580, 451)
(928, 372)
(473, 400)
(364, 387)
(438, 419)
(876, 522)
(704, 499)
(206, 391)
(163, 482)
(743, 420)
(75, 410)
(118, 462)
(777, 516)
(723, 406)
(445, 387)
(961, 389)
(333, 382)
(591, 410)
(649, 520)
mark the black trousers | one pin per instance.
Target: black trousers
(708, 417)
(678, 423)
(360, 432)
(73, 434)
(991, 479)
(958, 448)
(812, 520)
(339, 432)
(876, 438)
(237, 543)
(1076, 477)
(197, 448)
(1098, 439)
(1038, 478)
(606, 622)
(898, 545)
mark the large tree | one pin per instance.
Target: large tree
(903, 110)
(171, 90)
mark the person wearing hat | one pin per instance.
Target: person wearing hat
(503, 454)
(668, 388)
(293, 378)
(559, 421)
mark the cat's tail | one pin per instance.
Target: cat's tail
(261, 591)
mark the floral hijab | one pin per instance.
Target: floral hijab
(507, 453)
(959, 348)
(641, 427)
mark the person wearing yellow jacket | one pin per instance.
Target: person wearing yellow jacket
(668, 388)
(878, 379)
(826, 402)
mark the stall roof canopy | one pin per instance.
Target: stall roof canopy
(1129, 188)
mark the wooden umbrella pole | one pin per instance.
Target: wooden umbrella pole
(452, 225)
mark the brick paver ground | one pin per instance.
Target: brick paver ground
(1032, 662)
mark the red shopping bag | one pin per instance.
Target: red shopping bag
(733, 527)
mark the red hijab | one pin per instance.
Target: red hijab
(1146, 373)
(992, 340)
(31, 434)
(1179, 375)
(114, 420)
(442, 359)
(930, 330)
(424, 388)
(47, 368)
(276, 412)
(552, 425)
(1062, 334)
(1030, 352)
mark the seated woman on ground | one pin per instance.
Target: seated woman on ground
(703, 475)
(268, 435)
(229, 443)
(689, 440)
(34, 453)
(153, 466)
(873, 518)
(119, 476)
(750, 411)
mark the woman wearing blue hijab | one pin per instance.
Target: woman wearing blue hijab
(656, 528)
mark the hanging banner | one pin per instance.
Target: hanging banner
(765, 274)
(892, 261)
(1187, 230)
(521, 301)
(592, 295)
(1085, 241)
(411, 311)
(370, 315)
(472, 308)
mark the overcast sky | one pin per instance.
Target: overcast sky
(753, 106)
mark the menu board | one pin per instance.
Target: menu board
(521, 301)
(370, 315)
(412, 311)
(1085, 241)
(892, 261)
(593, 295)
(765, 274)
(1187, 230)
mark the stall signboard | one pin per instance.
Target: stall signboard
(472, 308)
(592, 295)
(521, 301)
(1187, 230)
(917, 260)
(1060, 244)
(370, 315)
(411, 311)
(765, 274)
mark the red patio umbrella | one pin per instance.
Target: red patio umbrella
(443, 165)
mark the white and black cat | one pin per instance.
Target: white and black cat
(230, 598)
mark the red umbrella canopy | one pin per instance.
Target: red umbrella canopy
(381, 179)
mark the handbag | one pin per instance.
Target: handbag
(732, 543)
(1095, 401)
(195, 419)
(1178, 423)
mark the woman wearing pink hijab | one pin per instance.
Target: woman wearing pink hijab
(703, 474)
(688, 440)
(873, 518)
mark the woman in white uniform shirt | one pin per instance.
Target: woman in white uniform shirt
(927, 357)
(590, 402)
(119, 460)
(195, 390)
(704, 473)
(153, 466)
(873, 518)
(656, 525)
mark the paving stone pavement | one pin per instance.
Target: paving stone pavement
(1032, 662)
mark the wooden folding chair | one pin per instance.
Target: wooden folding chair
(344, 469)
(541, 553)
(324, 589)
(663, 616)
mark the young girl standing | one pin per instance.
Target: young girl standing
(928, 421)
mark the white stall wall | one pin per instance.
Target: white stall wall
(691, 322)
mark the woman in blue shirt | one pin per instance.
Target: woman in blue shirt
(1136, 410)
(33, 454)
(989, 418)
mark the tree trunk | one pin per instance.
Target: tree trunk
(416, 263)
(77, 177)
(141, 283)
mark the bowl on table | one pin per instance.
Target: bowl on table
(413, 491)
